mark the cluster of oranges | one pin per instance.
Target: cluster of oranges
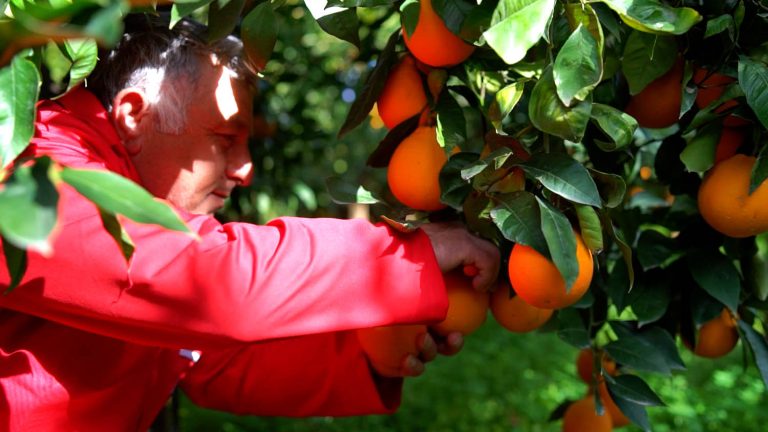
(414, 169)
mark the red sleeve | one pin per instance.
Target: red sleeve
(324, 374)
(237, 282)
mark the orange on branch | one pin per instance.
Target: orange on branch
(716, 337)
(585, 363)
(386, 347)
(514, 314)
(403, 94)
(433, 43)
(581, 416)
(538, 281)
(710, 87)
(467, 307)
(724, 200)
(413, 174)
(658, 104)
(729, 142)
(618, 419)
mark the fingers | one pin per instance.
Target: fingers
(451, 344)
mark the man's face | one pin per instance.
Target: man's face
(197, 168)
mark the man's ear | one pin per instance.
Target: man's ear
(129, 109)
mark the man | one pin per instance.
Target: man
(250, 319)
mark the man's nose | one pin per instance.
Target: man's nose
(240, 166)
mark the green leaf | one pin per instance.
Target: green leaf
(373, 86)
(84, 54)
(259, 34)
(451, 126)
(454, 189)
(611, 186)
(647, 57)
(453, 13)
(652, 16)
(571, 328)
(28, 205)
(632, 388)
(105, 25)
(583, 14)
(361, 3)
(590, 227)
(117, 194)
(753, 79)
(504, 101)
(56, 63)
(699, 154)
(564, 176)
(760, 170)
(336, 21)
(380, 157)
(19, 90)
(490, 163)
(527, 20)
(759, 267)
(759, 348)
(121, 237)
(717, 275)
(550, 115)
(409, 15)
(720, 24)
(223, 17)
(578, 67)
(619, 126)
(15, 263)
(626, 250)
(344, 192)
(561, 242)
(182, 9)
(518, 218)
(649, 300)
(656, 250)
(651, 350)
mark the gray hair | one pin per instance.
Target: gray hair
(164, 62)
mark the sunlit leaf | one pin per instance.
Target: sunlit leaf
(527, 20)
(578, 67)
(336, 21)
(345, 192)
(564, 176)
(504, 101)
(259, 34)
(19, 89)
(718, 25)
(619, 126)
(590, 227)
(549, 114)
(654, 16)
(83, 53)
(646, 58)
(118, 233)
(28, 204)
(518, 218)
(185, 8)
(116, 194)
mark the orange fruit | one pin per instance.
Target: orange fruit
(413, 174)
(716, 337)
(658, 104)
(585, 362)
(581, 416)
(467, 307)
(386, 347)
(432, 43)
(537, 280)
(514, 314)
(729, 142)
(725, 202)
(403, 94)
(711, 87)
(618, 419)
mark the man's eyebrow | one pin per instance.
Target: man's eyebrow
(235, 125)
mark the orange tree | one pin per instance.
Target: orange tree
(587, 99)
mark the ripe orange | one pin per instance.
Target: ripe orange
(729, 142)
(387, 347)
(514, 314)
(717, 337)
(432, 43)
(618, 419)
(403, 95)
(581, 416)
(414, 170)
(467, 307)
(725, 203)
(658, 104)
(585, 362)
(537, 281)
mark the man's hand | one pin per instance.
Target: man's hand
(454, 246)
(430, 345)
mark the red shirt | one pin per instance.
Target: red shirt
(90, 342)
